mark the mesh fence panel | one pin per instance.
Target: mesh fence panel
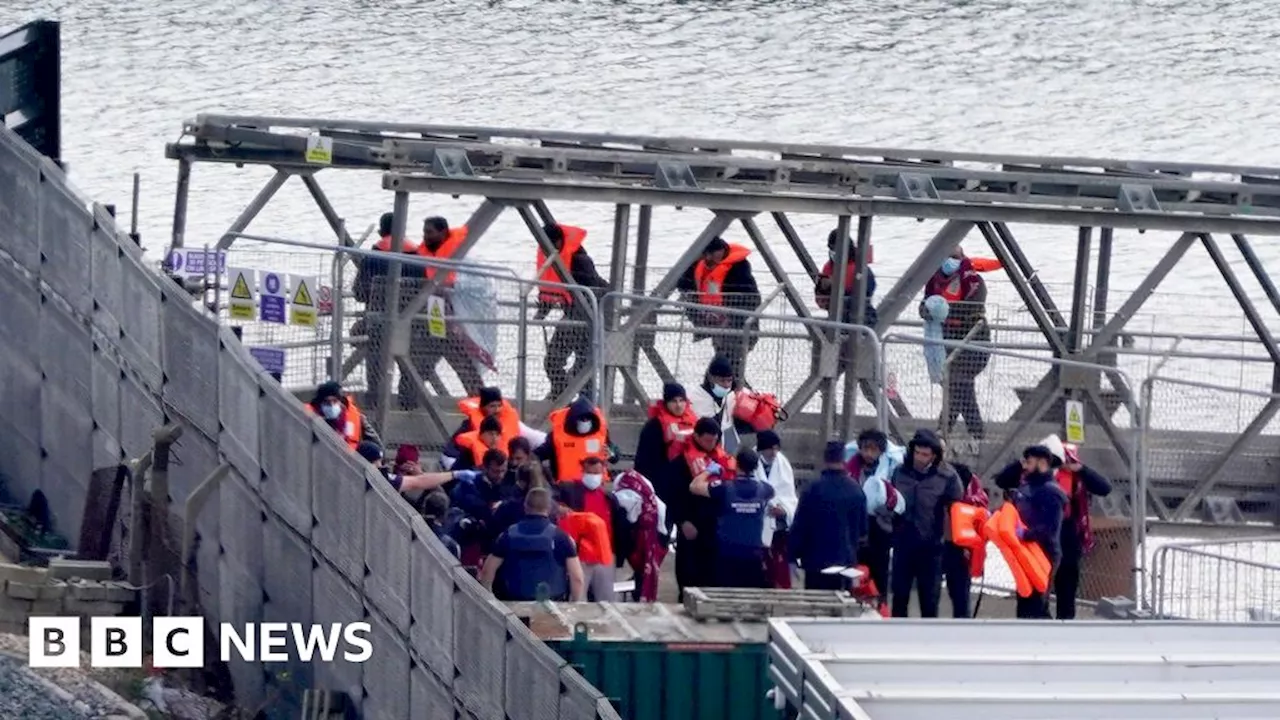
(1218, 581)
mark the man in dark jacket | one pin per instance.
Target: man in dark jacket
(830, 522)
(671, 420)
(478, 494)
(370, 288)
(929, 487)
(723, 279)
(693, 516)
(1041, 503)
(568, 339)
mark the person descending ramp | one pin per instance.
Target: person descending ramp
(1026, 560)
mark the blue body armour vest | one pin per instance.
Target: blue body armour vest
(742, 517)
(530, 563)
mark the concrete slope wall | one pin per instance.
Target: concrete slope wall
(97, 350)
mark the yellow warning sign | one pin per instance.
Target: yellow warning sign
(435, 317)
(241, 305)
(319, 149)
(240, 291)
(302, 309)
(1075, 422)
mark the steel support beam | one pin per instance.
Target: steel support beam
(331, 216)
(1238, 446)
(640, 275)
(254, 207)
(180, 198)
(1259, 272)
(1080, 291)
(477, 225)
(667, 284)
(1002, 247)
(617, 283)
(835, 313)
(1030, 273)
(797, 244)
(1242, 297)
(553, 256)
(399, 223)
(853, 376)
(922, 268)
(1108, 332)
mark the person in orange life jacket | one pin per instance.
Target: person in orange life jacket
(488, 402)
(1079, 482)
(715, 397)
(694, 517)
(442, 243)
(339, 412)
(955, 559)
(966, 293)
(1041, 503)
(404, 483)
(370, 288)
(592, 537)
(872, 467)
(823, 285)
(775, 470)
(830, 523)
(576, 432)
(534, 559)
(478, 493)
(741, 507)
(929, 486)
(723, 279)
(465, 451)
(567, 340)
(671, 420)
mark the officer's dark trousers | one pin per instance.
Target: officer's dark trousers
(955, 566)
(741, 570)
(876, 558)
(919, 566)
(1066, 581)
(566, 341)
(696, 561)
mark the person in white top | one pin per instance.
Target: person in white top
(775, 469)
(714, 398)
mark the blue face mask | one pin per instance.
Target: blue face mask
(331, 411)
(950, 266)
(719, 390)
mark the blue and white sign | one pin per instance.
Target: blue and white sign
(197, 262)
(271, 359)
(274, 299)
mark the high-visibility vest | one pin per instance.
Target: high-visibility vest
(350, 424)
(384, 245)
(572, 449)
(574, 237)
(446, 251)
(711, 281)
(510, 419)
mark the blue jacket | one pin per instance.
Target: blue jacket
(1041, 503)
(830, 521)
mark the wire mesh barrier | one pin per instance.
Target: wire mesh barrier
(1218, 581)
(297, 528)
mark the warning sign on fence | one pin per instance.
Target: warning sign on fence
(274, 298)
(1075, 422)
(241, 306)
(435, 317)
(302, 310)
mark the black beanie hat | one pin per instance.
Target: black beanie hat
(720, 367)
(833, 452)
(706, 426)
(717, 244)
(671, 391)
(332, 388)
(766, 439)
(490, 395)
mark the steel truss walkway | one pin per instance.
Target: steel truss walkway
(739, 181)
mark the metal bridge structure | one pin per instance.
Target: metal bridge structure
(1195, 466)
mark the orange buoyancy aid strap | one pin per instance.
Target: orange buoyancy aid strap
(574, 237)
(711, 281)
(471, 441)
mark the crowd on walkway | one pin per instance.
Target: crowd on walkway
(549, 515)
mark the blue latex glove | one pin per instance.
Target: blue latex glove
(466, 476)
(1021, 532)
(713, 468)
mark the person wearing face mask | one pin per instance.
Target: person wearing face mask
(965, 291)
(723, 279)
(929, 486)
(592, 537)
(1041, 503)
(871, 461)
(339, 411)
(694, 517)
(774, 469)
(577, 432)
(671, 420)
(715, 398)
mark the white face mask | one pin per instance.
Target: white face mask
(584, 426)
(592, 481)
(719, 390)
(331, 410)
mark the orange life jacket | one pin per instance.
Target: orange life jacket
(591, 535)
(384, 245)
(574, 237)
(572, 449)
(510, 419)
(698, 460)
(711, 281)
(1027, 561)
(674, 428)
(446, 251)
(471, 442)
(981, 264)
(850, 281)
(351, 423)
(967, 523)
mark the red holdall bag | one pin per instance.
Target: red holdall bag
(761, 411)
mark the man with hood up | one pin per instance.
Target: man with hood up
(929, 487)
(1033, 488)
(830, 522)
(339, 411)
(577, 431)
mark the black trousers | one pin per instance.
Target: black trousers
(741, 570)
(876, 558)
(566, 342)
(695, 561)
(1035, 607)
(955, 567)
(962, 391)
(1066, 586)
(921, 567)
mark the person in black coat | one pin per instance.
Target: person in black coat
(569, 340)
(929, 486)
(738, 291)
(656, 438)
(830, 521)
(1041, 503)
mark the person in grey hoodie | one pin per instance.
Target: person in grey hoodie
(929, 487)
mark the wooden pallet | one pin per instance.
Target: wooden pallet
(751, 604)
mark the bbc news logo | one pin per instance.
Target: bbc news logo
(178, 642)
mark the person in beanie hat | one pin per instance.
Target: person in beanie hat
(407, 459)
(929, 486)
(693, 516)
(488, 402)
(715, 397)
(830, 522)
(775, 470)
(338, 410)
(671, 421)
(1041, 504)
(721, 280)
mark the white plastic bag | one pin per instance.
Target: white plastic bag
(475, 297)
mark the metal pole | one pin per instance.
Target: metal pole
(180, 203)
(522, 342)
(133, 210)
(337, 321)
(399, 222)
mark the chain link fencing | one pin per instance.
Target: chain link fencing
(1217, 580)
(297, 529)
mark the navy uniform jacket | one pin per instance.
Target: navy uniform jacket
(741, 507)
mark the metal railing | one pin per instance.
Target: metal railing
(1218, 581)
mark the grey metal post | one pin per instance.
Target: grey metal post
(522, 342)
(180, 198)
(400, 221)
(1102, 281)
(639, 278)
(617, 283)
(337, 320)
(1080, 290)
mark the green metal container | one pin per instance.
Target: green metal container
(656, 663)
